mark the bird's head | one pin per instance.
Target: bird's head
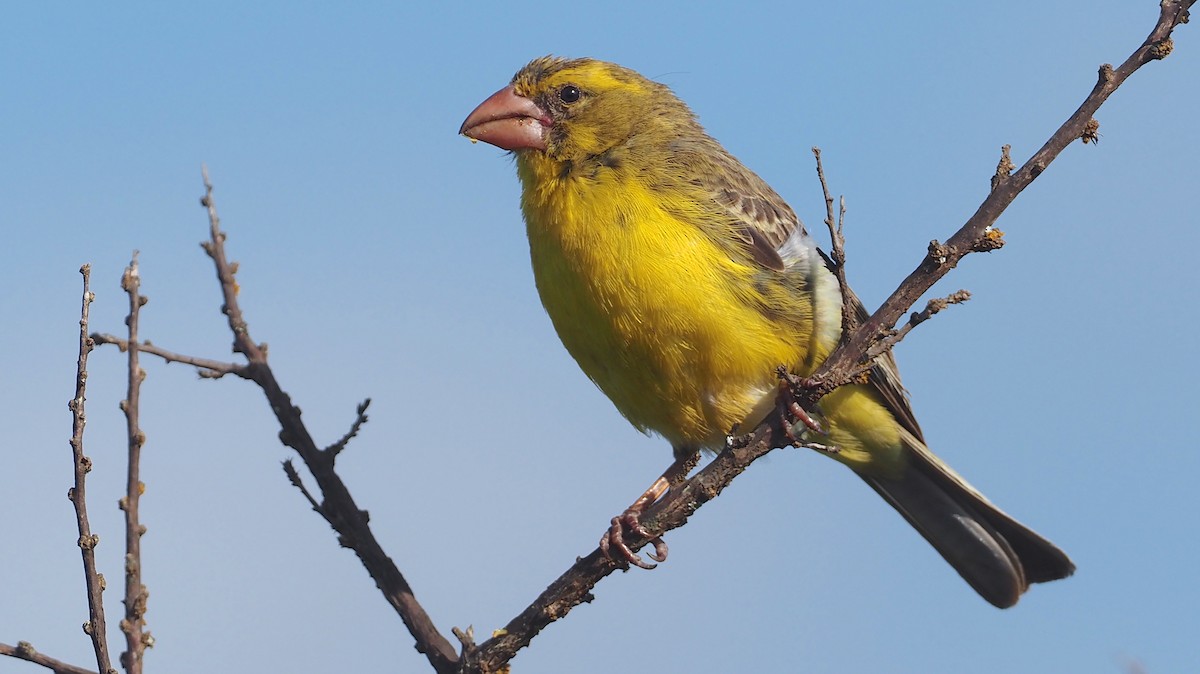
(570, 110)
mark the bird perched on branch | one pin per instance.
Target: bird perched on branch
(679, 281)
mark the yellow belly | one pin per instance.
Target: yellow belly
(670, 328)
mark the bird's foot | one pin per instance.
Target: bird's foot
(802, 416)
(790, 411)
(613, 545)
(792, 416)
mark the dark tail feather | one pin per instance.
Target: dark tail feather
(995, 554)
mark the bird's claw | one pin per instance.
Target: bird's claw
(804, 417)
(613, 541)
(790, 411)
(787, 405)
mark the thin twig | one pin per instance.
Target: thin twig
(95, 627)
(837, 254)
(136, 594)
(208, 368)
(289, 469)
(914, 319)
(337, 447)
(841, 217)
(25, 651)
(226, 271)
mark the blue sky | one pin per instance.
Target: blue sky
(384, 256)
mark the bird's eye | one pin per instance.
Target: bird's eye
(569, 94)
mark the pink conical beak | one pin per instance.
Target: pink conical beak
(508, 121)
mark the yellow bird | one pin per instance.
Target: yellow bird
(679, 281)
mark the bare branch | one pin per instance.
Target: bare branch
(978, 234)
(337, 505)
(209, 369)
(136, 594)
(215, 247)
(25, 651)
(95, 627)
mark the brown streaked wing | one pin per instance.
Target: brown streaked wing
(766, 222)
(765, 219)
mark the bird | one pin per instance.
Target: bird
(680, 281)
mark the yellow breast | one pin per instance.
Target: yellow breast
(683, 339)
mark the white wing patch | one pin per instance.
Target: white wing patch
(800, 256)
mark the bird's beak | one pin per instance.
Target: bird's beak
(508, 121)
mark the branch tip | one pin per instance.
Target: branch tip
(465, 637)
(1005, 167)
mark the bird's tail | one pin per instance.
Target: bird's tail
(994, 553)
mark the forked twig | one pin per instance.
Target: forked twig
(337, 506)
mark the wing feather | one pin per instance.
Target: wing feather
(762, 222)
